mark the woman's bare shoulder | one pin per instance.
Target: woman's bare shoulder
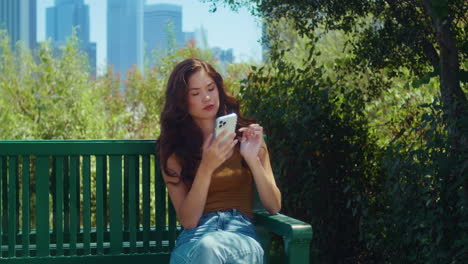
(174, 169)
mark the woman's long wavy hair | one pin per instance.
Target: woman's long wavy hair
(180, 135)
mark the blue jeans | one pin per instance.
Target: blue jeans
(220, 237)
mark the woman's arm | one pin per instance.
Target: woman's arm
(189, 203)
(255, 153)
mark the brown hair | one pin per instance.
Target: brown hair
(180, 135)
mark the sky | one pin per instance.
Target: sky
(225, 28)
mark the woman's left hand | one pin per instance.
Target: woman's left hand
(251, 141)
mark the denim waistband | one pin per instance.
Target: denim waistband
(230, 220)
(231, 212)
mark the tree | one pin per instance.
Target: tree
(426, 36)
(47, 97)
(414, 208)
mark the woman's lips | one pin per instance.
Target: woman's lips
(208, 107)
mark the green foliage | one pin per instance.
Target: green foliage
(423, 200)
(46, 94)
(400, 33)
(398, 109)
(321, 152)
(46, 98)
(375, 175)
(426, 37)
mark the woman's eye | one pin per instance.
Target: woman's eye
(211, 89)
(195, 94)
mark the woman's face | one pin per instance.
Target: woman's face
(203, 96)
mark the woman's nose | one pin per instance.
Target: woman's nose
(206, 97)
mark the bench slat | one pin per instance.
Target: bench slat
(133, 202)
(74, 202)
(96, 259)
(42, 205)
(115, 193)
(160, 194)
(80, 147)
(101, 195)
(125, 193)
(12, 183)
(86, 204)
(2, 175)
(66, 199)
(58, 227)
(146, 201)
(25, 204)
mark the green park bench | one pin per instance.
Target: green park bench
(101, 201)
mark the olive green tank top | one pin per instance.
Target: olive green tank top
(231, 187)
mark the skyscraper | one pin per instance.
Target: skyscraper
(62, 18)
(65, 15)
(18, 18)
(223, 56)
(124, 34)
(162, 28)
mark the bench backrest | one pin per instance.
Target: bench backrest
(72, 197)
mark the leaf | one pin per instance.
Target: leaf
(463, 75)
(440, 8)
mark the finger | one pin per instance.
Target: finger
(225, 143)
(230, 142)
(220, 137)
(251, 133)
(208, 141)
(233, 143)
(229, 155)
(230, 150)
(258, 128)
(243, 132)
(233, 136)
(244, 137)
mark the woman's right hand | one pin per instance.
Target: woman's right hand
(217, 151)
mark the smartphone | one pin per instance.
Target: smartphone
(226, 122)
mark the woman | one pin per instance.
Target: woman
(210, 181)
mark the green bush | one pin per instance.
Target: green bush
(360, 154)
(46, 97)
(320, 149)
(422, 216)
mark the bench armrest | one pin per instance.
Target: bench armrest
(296, 235)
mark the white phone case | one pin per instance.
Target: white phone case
(226, 122)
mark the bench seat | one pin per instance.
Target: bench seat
(102, 201)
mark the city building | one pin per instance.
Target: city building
(65, 16)
(124, 35)
(189, 37)
(201, 38)
(162, 30)
(18, 18)
(223, 56)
